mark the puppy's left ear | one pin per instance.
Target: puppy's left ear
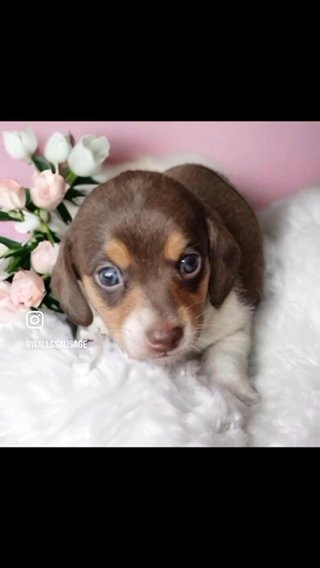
(65, 285)
(224, 258)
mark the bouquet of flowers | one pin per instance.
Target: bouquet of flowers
(42, 212)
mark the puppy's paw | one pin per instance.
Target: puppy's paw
(244, 392)
(241, 389)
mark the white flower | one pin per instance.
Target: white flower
(88, 155)
(102, 175)
(57, 148)
(4, 262)
(20, 145)
(31, 223)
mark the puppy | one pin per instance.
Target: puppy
(173, 264)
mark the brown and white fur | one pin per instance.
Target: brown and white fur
(146, 224)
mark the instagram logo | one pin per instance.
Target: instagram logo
(34, 320)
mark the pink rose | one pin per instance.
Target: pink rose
(27, 289)
(8, 310)
(12, 195)
(48, 189)
(44, 257)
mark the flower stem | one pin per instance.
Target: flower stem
(71, 178)
(49, 233)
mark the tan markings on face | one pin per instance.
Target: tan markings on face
(174, 246)
(119, 253)
(191, 304)
(115, 317)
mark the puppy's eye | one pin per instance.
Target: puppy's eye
(110, 277)
(190, 265)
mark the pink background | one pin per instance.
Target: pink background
(265, 160)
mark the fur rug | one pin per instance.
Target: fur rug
(96, 396)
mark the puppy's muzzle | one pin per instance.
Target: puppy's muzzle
(164, 336)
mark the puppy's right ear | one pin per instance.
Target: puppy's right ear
(225, 259)
(66, 288)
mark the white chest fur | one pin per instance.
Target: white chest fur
(219, 323)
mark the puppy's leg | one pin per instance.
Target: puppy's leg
(226, 363)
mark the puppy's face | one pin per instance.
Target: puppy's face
(143, 252)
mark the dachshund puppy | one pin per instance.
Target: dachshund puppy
(173, 264)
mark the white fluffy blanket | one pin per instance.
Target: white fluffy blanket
(98, 397)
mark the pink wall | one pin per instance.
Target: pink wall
(266, 160)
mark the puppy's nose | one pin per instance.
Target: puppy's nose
(164, 337)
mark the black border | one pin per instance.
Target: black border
(198, 92)
(68, 503)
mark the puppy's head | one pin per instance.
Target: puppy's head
(145, 253)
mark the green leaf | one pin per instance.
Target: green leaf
(39, 236)
(41, 163)
(84, 181)
(26, 263)
(28, 197)
(6, 217)
(75, 180)
(20, 258)
(13, 215)
(52, 303)
(64, 213)
(16, 263)
(29, 205)
(19, 251)
(73, 193)
(9, 243)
